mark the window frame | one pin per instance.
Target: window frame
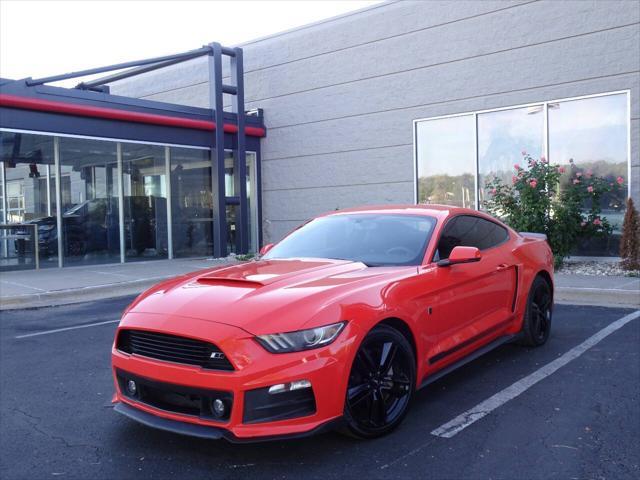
(545, 106)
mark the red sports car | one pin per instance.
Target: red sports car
(337, 325)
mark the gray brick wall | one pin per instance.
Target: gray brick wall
(340, 96)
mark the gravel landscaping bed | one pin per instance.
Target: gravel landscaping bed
(596, 269)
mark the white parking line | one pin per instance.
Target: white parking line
(465, 419)
(47, 332)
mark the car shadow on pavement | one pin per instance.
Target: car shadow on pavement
(430, 407)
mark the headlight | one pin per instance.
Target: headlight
(301, 340)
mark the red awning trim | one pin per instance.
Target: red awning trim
(27, 103)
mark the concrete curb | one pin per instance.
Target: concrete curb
(598, 296)
(79, 295)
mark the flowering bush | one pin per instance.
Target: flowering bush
(537, 201)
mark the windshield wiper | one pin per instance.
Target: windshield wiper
(353, 260)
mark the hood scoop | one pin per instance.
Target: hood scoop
(229, 282)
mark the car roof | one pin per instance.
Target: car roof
(408, 209)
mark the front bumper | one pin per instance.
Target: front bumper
(256, 370)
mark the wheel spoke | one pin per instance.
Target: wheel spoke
(389, 350)
(377, 409)
(368, 362)
(539, 315)
(535, 316)
(358, 393)
(545, 303)
(382, 409)
(400, 381)
(373, 407)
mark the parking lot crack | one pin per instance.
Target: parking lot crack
(34, 422)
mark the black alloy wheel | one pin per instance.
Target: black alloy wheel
(381, 383)
(536, 327)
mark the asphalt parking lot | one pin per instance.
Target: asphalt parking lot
(581, 421)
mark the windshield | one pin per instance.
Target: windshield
(375, 240)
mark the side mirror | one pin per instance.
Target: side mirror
(265, 249)
(461, 255)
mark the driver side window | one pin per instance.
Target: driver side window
(469, 231)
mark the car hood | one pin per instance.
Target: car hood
(269, 296)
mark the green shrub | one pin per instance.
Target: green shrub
(537, 201)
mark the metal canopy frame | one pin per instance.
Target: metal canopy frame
(217, 90)
(149, 64)
(216, 53)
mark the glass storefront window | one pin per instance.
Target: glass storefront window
(502, 136)
(145, 201)
(446, 161)
(90, 219)
(103, 182)
(587, 136)
(590, 136)
(30, 199)
(191, 203)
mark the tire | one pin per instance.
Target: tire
(381, 384)
(536, 326)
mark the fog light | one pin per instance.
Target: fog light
(289, 387)
(218, 408)
(132, 388)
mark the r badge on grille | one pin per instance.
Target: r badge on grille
(217, 355)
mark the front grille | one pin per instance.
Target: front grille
(172, 348)
(180, 399)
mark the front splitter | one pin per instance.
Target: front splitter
(212, 433)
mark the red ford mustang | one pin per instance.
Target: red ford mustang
(336, 325)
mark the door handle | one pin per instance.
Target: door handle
(502, 266)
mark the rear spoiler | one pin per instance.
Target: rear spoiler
(533, 236)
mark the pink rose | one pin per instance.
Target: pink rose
(533, 183)
(589, 172)
(579, 174)
(576, 181)
(590, 189)
(597, 221)
(516, 166)
(493, 191)
(620, 180)
(543, 159)
(514, 180)
(561, 169)
(583, 224)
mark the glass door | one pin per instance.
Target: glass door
(252, 201)
(89, 186)
(145, 202)
(191, 203)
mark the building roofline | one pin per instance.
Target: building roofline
(319, 22)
